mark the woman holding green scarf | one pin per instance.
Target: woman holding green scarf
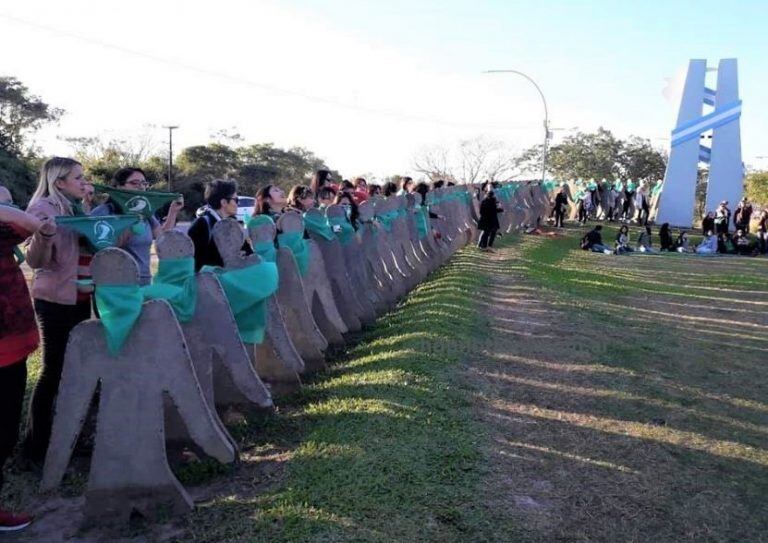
(139, 244)
(58, 259)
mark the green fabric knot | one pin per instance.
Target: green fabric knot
(258, 220)
(343, 229)
(247, 290)
(99, 232)
(318, 224)
(266, 250)
(299, 247)
(388, 218)
(140, 202)
(119, 307)
(175, 282)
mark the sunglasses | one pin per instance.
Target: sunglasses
(235, 198)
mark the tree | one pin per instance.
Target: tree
(471, 161)
(598, 155)
(17, 176)
(21, 113)
(756, 187)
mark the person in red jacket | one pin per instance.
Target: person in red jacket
(18, 332)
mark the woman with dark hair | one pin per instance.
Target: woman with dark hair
(270, 200)
(422, 189)
(139, 245)
(374, 190)
(301, 198)
(360, 194)
(346, 200)
(622, 241)
(489, 221)
(438, 184)
(406, 186)
(321, 179)
(389, 189)
(762, 231)
(665, 238)
(645, 241)
(708, 223)
(326, 196)
(221, 197)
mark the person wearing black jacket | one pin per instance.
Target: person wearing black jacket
(561, 205)
(708, 224)
(489, 220)
(221, 197)
(665, 238)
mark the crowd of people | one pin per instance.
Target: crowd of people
(61, 294)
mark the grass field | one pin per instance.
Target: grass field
(540, 393)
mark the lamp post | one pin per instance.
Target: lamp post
(546, 114)
(170, 128)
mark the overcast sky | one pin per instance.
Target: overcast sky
(365, 84)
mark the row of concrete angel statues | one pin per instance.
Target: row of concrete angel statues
(171, 381)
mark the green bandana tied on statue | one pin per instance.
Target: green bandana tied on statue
(247, 290)
(344, 230)
(140, 202)
(387, 219)
(422, 220)
(265, 249)
(318, 224)
(299, 247)
(119, 307)
(175, 282)
(99, 232)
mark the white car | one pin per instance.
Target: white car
(245, 205)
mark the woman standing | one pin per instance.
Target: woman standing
(139, 245)
(60, 304)
(489, 221)
(18, 333)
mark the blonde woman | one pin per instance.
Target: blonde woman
(59, 305)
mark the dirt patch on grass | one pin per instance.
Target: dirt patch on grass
(623, 420)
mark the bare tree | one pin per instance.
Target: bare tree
(433, 161)
(472, 160)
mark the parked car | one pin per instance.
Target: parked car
(245, 205)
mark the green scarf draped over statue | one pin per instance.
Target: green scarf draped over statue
(387, 219)
(140, 202)
(247, 290)
(265, 249)
(299, 247)
(99, 232)
(119, 307)
(343, 229)
(318, 224)
(175, 282)
(421, 215)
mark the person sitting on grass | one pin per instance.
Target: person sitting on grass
(665, 238)
(708, 246)
(622, 241)
(593, 241)
(682, 245)
(742, 244)
(645, 242)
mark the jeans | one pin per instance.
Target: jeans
(56, 321)
(486, 238)
(13, 381)
(597, 248)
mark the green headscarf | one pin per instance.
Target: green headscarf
(141, 202)
(345, 232)
(247, 290)
(265, 249)
(422, 220)
(99, 232)
(318, 224)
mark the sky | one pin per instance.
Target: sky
(367, 84)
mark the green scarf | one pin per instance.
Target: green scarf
(247, 291)
(299, 247)
(175, 282)
(318, 224)
(346, 232)
(141, 202)
(119, 307)
(387, 219)
(422, 220)
(99, 232)
(266, 250)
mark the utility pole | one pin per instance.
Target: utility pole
(170, 128)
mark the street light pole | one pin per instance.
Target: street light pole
(170, 128)
(546, 115)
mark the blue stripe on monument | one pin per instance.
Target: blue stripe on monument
(726, 120)
(707, 117)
